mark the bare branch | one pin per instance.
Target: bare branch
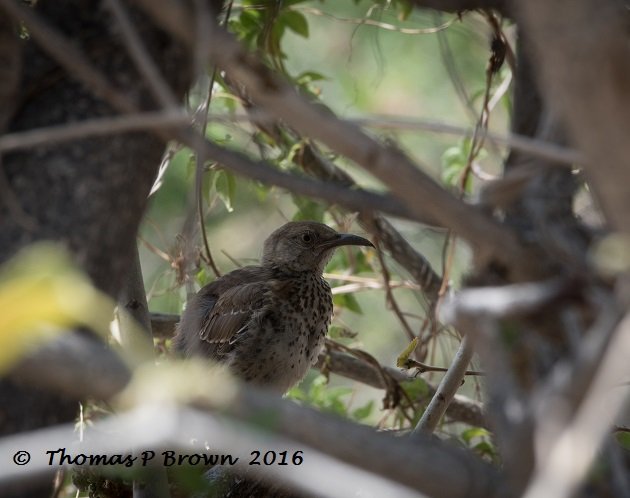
(92, 127)
(580, 433)
(141, 57)
(461, 5)
(170, 430)
(503, 301)
(135, 330)
(360, 455)
(75, 365)
(259, 170)
(512, 427)
(62, 50)
(445, 392)
(10, 70)
(579, 46)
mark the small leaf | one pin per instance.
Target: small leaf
(225, 184)
(347, 301)
(406, 8)
(296, 22)
(202, 277)
(623, 438)
(250, 20)
(336, 332)
(484, 448)
(363, 412)
(474, 432)
(309, 77)
(308, 210)
(416, 388)
(403, 358)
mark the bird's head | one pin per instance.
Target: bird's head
(306, 246)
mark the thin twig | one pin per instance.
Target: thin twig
(380, 24)
(65, 52)
(389, 296)
(200, 56)
(423, 367)
(139, 54)
(93, 127)
(557, 154)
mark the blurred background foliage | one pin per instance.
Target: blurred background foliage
(374, 60)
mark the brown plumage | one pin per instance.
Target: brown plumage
(268, 322)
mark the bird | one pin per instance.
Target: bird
(267, 323)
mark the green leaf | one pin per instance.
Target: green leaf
(474, 432)
(623, 438)
(406, 7)
(308, 210)
(336, 332)
(297, 393)
(484, 448)
(202, 277)
(454, 161)
(296, 22)
(309, 77)
(349, 302)
(250, 20)
(401, 361)
(416, 388)
(364, 411)
(225, 184)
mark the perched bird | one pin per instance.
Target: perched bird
(268, 322)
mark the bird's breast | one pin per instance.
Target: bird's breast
(291, 333)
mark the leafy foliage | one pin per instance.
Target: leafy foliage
(331, 399)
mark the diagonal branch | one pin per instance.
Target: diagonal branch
(377, 461)
(445, 392)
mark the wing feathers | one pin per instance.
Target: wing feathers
(225, 308)
(233, 311)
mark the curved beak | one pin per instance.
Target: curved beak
(345, 239)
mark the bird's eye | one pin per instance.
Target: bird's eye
(307, 237)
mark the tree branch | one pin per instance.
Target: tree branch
(137, 340)
(376, 461)
(462, 5)
(10, 70)
(579, 46)
(445, 392)
(586, 425)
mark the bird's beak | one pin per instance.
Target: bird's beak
(345, 239)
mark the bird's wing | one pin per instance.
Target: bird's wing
(233, 310)
(198, 315)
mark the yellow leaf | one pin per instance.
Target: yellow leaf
(403, 358)
(43, 294)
